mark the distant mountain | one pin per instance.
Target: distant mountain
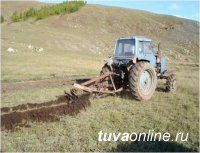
(94, 28)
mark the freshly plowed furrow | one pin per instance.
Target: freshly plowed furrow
(49, 111)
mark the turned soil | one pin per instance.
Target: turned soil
(18, 116)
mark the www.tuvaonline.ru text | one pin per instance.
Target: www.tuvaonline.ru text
(149, 136)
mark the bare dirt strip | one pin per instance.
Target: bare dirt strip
(8, 87)
(18, 116)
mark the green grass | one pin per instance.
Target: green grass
(36, 66)
(165, 112)
(15, 98)
(45, 11)
(57, 60)
(2, 19)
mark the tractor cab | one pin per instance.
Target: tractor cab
(138, 48)
(128, 47)
(125, 48)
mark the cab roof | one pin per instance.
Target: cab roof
(141, 38)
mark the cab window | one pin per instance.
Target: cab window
(125, 47)
(145, 46)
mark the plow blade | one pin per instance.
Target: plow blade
(96, 85)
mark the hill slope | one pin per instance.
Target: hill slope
(8, 7)
(97, 26)
(92, 31)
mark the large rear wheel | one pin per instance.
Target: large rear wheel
(142, 81)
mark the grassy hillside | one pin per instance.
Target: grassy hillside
(9, 7)
(91, 31)
(46, 11)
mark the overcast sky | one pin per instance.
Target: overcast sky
(184, 9)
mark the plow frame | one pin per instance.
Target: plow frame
(89, 86)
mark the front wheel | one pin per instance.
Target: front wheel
(116, 78)
(104, 70)
(171, 85)
(142, 81)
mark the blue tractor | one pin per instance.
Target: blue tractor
(134, 66)
(138, 67)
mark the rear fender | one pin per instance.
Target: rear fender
(149, 58)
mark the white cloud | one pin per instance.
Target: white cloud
(175, 7)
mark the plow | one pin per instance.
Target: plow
(96, 86)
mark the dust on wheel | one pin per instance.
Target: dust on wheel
(142, 81)
(171, 85)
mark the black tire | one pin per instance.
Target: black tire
(117, 79)
(106, 81)
(171, 85)
(142, 75)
